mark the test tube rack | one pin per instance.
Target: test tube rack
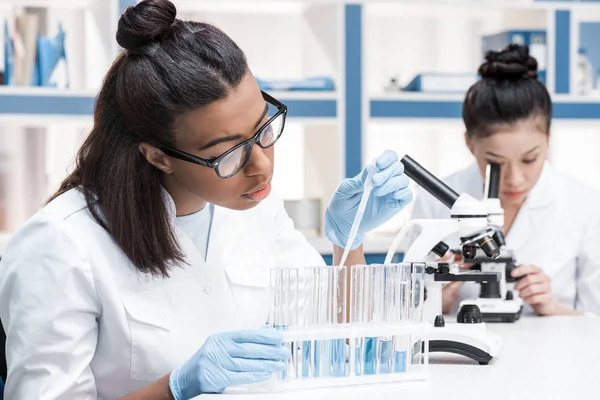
(349, 326)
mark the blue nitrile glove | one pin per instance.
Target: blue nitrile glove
(229, 359)
(390, 195)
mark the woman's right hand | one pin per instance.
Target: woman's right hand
(229, 359)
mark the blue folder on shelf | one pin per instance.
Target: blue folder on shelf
(9, 57)
(308, 84)
(50, 51)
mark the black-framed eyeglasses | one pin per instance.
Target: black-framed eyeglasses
(233, 160)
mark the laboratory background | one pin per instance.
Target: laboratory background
(358, 78)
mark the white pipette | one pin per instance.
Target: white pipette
(359, 213)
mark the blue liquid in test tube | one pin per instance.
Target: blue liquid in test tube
(385, 356)
(400, 361)
(338, 357)
(282, 328)
(358, 361)
(306, 358)
(370, 356)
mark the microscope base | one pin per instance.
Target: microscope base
(470, 340)
(497, 310)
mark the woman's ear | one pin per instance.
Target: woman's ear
(469, 142)
(156, 157)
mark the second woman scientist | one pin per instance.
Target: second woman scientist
(552, 221)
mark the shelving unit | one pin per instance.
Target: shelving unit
(332, 37)
(408, 106)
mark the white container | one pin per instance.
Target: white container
(584, 74)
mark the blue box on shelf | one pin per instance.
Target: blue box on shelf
(446, 83)
(319, 83)
(535, 39)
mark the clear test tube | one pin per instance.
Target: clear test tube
(374, 301)
(418, 291)
(339, 288)
(357, 277)
(291, 320)
(315, 295)
(277, 297)
(284, 309)
(323, 299)
(416, 309)
(402, 342)
(306, 318)
(387, 311)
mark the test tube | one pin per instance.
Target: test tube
(417, 295)
(307, 315)
(284, 294)
(276, 290)
(374, 299)
(357, 277)
(291, 320)
(402, 342)
(324, 302)
(338, 286)
(387, 313)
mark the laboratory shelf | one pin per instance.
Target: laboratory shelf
(418, 105)
(308, 104)
(471, 5)
(15, 101)
(71, 4)
(45, 101)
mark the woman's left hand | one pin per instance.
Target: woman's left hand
(535, 289)
(390, 195)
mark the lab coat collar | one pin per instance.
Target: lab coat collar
(531, 213)
(217, 241)
(541, 195)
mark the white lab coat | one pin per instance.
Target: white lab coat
(556, 229)
(83, 323)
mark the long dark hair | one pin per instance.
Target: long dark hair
(508, 92)
(168, 67)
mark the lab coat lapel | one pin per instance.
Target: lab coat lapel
(532, 212)
(218, 245)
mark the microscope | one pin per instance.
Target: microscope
(496, 301)
(469, 218)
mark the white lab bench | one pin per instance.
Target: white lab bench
(540, 358)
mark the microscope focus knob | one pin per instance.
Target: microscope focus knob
(439, 321)
(469, 314)
(509, 295)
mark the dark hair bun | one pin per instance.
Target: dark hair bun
(513, 62)
(142, 23)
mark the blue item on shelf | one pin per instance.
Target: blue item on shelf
(432, 82)
(50, 51)
(1, 389)
(9, 57)
(308, 84)
(535, 39)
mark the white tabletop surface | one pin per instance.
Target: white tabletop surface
(540, 358)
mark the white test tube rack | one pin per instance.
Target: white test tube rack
(349, 332)
(333, 352)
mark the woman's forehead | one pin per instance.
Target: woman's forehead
(235, 114)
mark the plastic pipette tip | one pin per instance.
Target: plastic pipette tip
(359, 213)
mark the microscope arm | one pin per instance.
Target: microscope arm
(427, 239)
